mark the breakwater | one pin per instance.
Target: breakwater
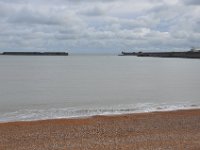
(187, 54)
(36, 53)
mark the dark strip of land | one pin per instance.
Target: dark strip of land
(36, 53)
(187, 54)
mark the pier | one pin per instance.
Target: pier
(186, 54)
(36, 53)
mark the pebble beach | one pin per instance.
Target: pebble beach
(174, 130)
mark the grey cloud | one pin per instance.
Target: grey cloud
(25, 16)
(192, 2)
(96, 11)
(98, 25)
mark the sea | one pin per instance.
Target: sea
(52, 87)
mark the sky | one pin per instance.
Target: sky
(99, 26)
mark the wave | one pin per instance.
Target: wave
(73, 112)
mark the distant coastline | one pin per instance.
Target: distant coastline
(186, 54)
(36, 53)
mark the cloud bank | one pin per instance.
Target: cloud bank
(99, 25)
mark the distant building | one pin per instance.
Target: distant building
(194, 50)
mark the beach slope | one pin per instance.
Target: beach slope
(175, 130)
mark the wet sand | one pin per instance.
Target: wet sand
(175, 130)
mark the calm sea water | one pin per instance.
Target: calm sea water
(43, 87)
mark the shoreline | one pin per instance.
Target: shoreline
(177, 129)
(72, 112)
(103, 115)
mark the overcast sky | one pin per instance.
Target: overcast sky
(99, 25)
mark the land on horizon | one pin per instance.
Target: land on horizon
(180, 54)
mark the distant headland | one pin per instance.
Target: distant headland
(193, 53)
(36, 53)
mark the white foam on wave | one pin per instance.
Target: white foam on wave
(71, 112)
